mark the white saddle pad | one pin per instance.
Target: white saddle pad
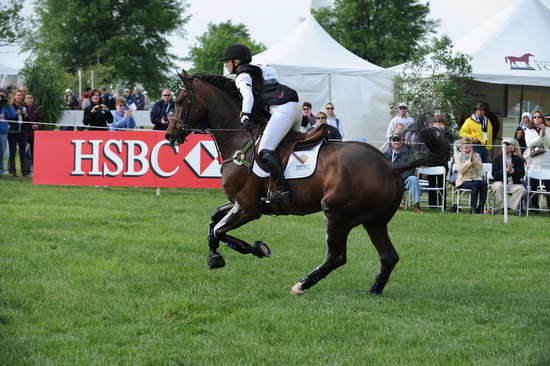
(301, 164)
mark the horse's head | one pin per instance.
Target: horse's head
(188, 112)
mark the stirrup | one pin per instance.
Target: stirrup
(277, 197)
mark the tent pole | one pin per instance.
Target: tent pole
(330, 88)
(520, 103)
(505, 114)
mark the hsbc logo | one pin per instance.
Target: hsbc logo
(203, 160)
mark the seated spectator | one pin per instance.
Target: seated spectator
(514, 174)
(162, 111)
(97, 115)
(138, 98)
(537, 153)
(400, 118)
(34, 116)
(333, 121)
(469, 166)
(398, 156)
(70, 101)
(122, 116)
(17, 134)
(308, 119)
(332, 132)
(519, 135)
(7, 113)
(479, 128)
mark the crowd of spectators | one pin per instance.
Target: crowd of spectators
(335, 129)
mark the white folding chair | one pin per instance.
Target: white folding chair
(539, 190)
(441, 192)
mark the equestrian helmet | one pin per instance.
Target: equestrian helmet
(237, 51)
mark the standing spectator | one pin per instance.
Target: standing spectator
(108, 99)
(17, 135)
(469, 166)
(400, 156)
(138, 98)
(437, 181)
(514, 174)
(34, 116)
(85, 98)
(70, 101)
(400, 118)
(308, 118)
(524, 124)
(97, 115)
(547, 119)
(332, 120)
(162, 111)
(129, 98)
(332, 132)
(479, 128)
(7, 113)
(495, 122)
(122, 117)
(537, 154)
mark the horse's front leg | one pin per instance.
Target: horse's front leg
(225, 218)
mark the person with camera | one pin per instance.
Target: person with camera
(97, 115)
(122, 116)
(7, 113)
(17, 134)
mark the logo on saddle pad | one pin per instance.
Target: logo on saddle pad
(301, 164)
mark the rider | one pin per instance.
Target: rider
(261, 90)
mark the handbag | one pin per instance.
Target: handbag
(536, 151)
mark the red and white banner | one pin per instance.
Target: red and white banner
(124, 158)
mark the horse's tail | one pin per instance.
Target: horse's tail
(437, 149)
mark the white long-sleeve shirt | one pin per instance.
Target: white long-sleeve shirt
(244, 84)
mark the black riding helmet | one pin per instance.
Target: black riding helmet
(237, 51)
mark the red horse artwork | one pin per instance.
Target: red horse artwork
(524, 58)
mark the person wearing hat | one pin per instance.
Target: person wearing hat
(515, 172)
(547, 119)
(401, 117)
(479, 128)
(524, 124)
(70, 100)
(399, 155)
(260, 90)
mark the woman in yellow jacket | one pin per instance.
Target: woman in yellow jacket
(479, 128)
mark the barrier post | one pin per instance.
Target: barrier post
(504, 183)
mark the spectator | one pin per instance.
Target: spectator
(514, 174)
(7, 113)
(70, 101)
(34, 116)
(437, 181)
(469, 166)
(85, 98)
(332, 132)
(333, 121)
(128, 97)
(108, 99)
(399, 129)
(537, 155)
(162, 111)
(479, 128)
(495, 122)
(400, 118)
(547, 119)
(138, 98)
(96, 115)
(17, 135)
(519, 135)
(398, 156)
(308, 119)
(122, 117)
(146, 100)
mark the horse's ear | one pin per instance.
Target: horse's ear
(182, 76)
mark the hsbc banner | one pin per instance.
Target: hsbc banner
(124, 158)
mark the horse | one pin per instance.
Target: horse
(354, 184)
(513, 59)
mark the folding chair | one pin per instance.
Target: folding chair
(441, 192)
(539, 190)
(460, 193)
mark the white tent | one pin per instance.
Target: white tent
(8, 76)
(321, 70)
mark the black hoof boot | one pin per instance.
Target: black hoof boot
(260, 249)
(215, 260)
(376, 290)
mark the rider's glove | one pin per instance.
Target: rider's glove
(246, 122)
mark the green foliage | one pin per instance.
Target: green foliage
(127, 35)
(118, 276)
(12, 23)
(435, 81)
(44, 83)
(211, 44)
(384, 32)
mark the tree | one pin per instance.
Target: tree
(12, 24)
(211, 44)
(128, 35)
(435, 82)
(385, 32)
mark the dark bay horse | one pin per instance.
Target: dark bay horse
(354, 184)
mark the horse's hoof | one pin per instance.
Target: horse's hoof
(297, 289)
(260, 249)
(215, 260)
(375, 290)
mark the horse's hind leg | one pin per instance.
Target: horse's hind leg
(337, 236)
(215, 259)
(388, 256)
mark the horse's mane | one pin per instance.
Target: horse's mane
(221, 82)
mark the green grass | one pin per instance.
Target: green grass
(117, 276)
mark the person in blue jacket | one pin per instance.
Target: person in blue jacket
(7, 113)
(122, 117)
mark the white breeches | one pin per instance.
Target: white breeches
(281, 121)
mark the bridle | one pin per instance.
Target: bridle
(182, 128)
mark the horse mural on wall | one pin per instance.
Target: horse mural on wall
(524, 58)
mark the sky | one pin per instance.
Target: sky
(269, 21)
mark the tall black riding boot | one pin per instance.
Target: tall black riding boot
(276, 172)
(473, 199)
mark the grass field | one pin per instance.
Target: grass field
(95, 276)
